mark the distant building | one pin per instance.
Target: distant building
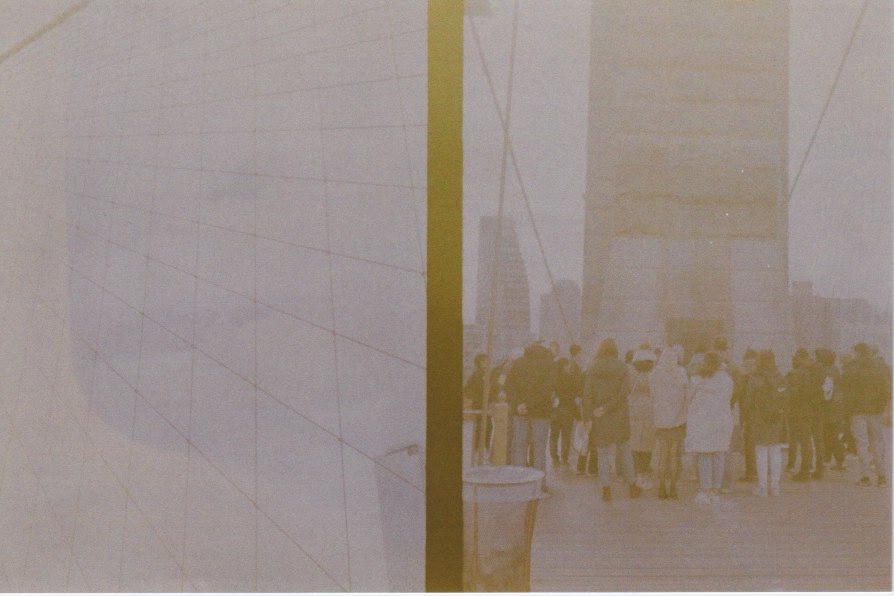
(553, 325)
(512, 313)
(838, 323)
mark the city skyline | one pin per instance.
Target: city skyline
(816, 318)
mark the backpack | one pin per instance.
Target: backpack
(772, 402)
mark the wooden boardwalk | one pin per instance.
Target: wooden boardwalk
(816, 536)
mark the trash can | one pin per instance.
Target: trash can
(499, 508)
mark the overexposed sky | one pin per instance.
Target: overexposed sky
(20, 18)
(840, 212)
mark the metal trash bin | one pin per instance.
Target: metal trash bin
(499, 508)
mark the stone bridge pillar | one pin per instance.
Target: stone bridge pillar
(686, 230)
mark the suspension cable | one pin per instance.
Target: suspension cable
(819, 122)
(504, 120)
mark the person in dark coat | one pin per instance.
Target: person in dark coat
(834, 412)
(805, 391)
(473, 390)
(766, 399)
(569, 380)
(867, 394)
(529, 389)
(749, 362)
(473, 398)
(588, 461)
(606, 387)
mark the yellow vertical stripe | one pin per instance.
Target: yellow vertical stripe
(444, 343)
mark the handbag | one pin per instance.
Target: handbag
(580, 436)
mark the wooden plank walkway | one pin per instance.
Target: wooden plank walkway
(816, 536)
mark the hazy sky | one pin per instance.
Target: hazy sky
(840, 212)
(20, 18)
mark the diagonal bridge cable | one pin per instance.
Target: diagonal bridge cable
(819, 122)
(504, 121)
(498, 241)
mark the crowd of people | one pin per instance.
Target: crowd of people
(651, 408)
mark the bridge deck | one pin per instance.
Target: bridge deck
(821, 535)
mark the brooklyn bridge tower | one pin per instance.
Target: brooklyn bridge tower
(686, 204)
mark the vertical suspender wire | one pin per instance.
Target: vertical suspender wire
(495, 267)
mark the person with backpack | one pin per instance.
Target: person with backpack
(766, 398)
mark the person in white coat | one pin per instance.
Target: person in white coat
(709, 425)
(668, 382)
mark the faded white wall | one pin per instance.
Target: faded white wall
(212, 298)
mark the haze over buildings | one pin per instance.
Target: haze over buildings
(561, 324)
(839, 216)
(509, 281)
(838, 323)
